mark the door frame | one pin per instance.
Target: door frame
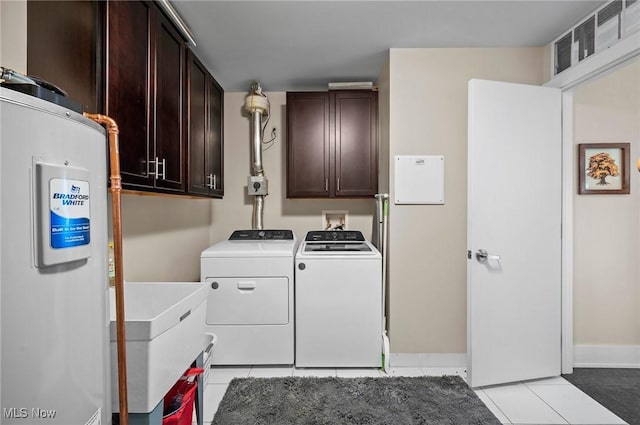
(599, 65)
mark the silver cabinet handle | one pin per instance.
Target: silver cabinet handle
(482, 256)
(209, 183)
(157, 164)
(215, 182)
(338, 185)
(326, 185)
(164, 168)
(153, 173)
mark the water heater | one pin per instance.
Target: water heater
(53, 277)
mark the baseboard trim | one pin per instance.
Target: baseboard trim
(622, 356)
(428, 359)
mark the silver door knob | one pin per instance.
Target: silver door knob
(482, 256)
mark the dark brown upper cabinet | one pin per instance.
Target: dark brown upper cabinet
(145, 59)
(356, 142)
(332, 144)
(308, 145)
(126, 59)
(205, 99)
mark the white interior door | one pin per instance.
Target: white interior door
(514, 215)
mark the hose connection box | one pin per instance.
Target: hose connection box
(257, 185)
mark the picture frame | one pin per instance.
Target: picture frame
(603, 168)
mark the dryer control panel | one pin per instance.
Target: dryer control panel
(258, 235)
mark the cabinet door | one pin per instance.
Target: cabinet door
(204, 130)
(129, 86)
(308, 153)
(215, 141)
(197, 125)
(169, 65)
(356, 142)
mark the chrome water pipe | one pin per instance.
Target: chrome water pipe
(257, 104)
(257, 168)
(258, 212)
(256, 142)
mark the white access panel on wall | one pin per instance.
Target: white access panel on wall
(419, 179)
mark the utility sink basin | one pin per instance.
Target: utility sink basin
(164, 325)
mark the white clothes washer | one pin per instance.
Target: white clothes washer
(338, 301)
(250, 302)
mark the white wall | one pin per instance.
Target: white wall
(13, 35)
(607, 227)
(428, 115)
(235, 210)
(163, 237)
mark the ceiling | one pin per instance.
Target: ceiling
(303, 45)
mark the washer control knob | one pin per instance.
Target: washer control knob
(302, 266)
(214, 285)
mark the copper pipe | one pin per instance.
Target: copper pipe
(116, 214)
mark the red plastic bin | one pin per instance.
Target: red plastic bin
(178, 403)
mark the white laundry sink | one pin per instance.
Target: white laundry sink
(164, 333)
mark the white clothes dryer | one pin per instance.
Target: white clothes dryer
(250, 302)
(338, 301)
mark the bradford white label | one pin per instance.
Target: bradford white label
(70, 212)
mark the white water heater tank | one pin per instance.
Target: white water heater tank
(53, 265)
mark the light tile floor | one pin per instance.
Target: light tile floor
(544, 401)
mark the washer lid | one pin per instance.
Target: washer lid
(331, 242)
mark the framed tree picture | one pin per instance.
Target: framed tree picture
(603, 168)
